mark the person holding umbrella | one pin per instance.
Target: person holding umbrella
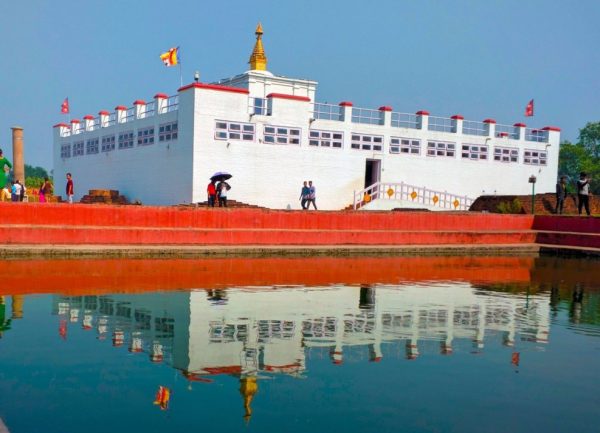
(216, 191)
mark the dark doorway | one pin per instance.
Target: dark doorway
(372, 172)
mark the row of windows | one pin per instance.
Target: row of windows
(125, 140)
(283, 135)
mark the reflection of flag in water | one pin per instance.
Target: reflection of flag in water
(170, 57)
(163, 395)
(516, 357)
(62, 329)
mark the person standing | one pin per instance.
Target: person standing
(5, 193)
(69, 188)
(13, 192)
(583, 193)
(304, 195)
(312, 196)
(22, 191)
(561, 194)
(45, 190)
(5, 167)
(212, 193)
(222, 188)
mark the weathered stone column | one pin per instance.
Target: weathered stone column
(18, 161)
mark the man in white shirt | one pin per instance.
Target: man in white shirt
(583, 193)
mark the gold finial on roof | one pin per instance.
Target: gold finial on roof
(258, 60)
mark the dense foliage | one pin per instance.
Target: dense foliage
(31, 171)
(582, 156)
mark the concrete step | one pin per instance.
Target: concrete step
(110, 235)
(572, 239)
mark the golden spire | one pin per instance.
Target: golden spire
(258, 60)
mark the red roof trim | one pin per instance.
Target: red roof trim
(88, 117)
(503, 134)
(75, 121)
(551, 128)
(103, 113)
(457, 117)
(520, 125)
(291, 97)
(422, 113)
(160, 96)
(489, 121)
(346, 104)
(385, 108)
(214, 87)
(139, 102)
(61, 125)
(121, 107)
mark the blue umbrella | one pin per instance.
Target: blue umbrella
(220, 176)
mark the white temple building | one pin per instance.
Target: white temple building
(271, 134)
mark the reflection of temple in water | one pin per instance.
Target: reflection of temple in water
(244, 332)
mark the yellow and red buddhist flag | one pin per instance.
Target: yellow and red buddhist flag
(170, 58)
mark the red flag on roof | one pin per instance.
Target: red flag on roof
(64, 107)
(529, 109)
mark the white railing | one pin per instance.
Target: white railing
(411, 193)
(442, 124)
(172, 103)
(327, 112)
(112, 119)
(95, 124)
(538, 135)
(471, 127)
(367, 116)
(150, 109)
(129, 115)
(404, 120)
(507, 131)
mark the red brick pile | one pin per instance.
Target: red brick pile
(544, 204)
(104, 196)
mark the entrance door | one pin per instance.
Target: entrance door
(372, 172)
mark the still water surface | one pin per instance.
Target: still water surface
(363, 345)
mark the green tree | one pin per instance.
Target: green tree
(31, 171)
(589, 137)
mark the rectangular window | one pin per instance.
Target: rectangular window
(281, 135)
(474, 152)
(506, 154)
(410, 146)
(145, 136)
(367, 142)
(233, 131)
(78, 148)
(65, 150)
(108, 143)
(441, 149)
(535, 157)
(167, 132)
(326, 139)
(126, 140)
(91, 146)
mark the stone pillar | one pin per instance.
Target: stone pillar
(18, 161)
(121, 113)
(88, 122)
(103, 118)
(140, 109)
(161, 103)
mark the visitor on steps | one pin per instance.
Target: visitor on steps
(212, 193)
(222, 188)
(45, 190)
(69, 188)
(312, 197)
(561, 194)
(304, 195)
(583, 193)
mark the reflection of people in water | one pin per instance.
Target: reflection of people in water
(554, 299)
(218, 297)
(248, 387)
(4, 322)
(575, 312)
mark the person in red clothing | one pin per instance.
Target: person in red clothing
(212, 193)
(69, 189)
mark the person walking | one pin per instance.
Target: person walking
(45, 190)
(583, 193)
(561, 194)
(69, 189)
(222, 188)
(212, 193)
(304, 195)
(312, 196)
(5, 167)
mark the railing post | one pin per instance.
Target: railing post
(88, 121)
(489, 126)
(103, 118)
(354, 200)
(457, 123)
(121, 111)
(520, 130)
(346, 111)
(140, 109)
(385, 115)
(160, 105)
(422, 120)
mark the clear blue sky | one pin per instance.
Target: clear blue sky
(477, 58)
